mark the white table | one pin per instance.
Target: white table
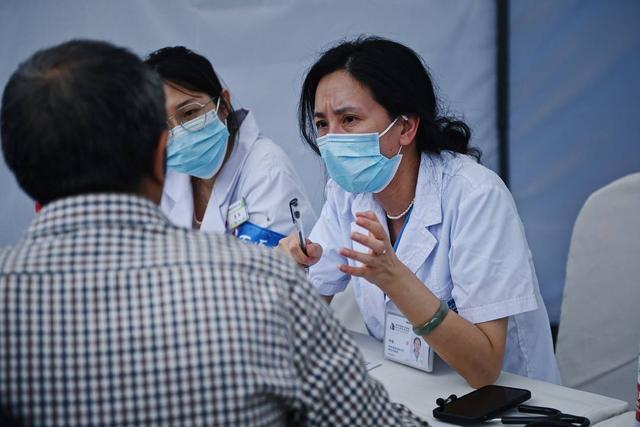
(419, 390)
(628, 419)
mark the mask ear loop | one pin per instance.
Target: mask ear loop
(216, 111)
(405, 118)
(390, 126)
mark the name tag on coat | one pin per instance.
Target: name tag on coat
(401, 344)
(237, 214)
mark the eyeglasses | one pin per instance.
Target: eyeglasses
(193, 116)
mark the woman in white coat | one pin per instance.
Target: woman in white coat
(417, 225)
(222, 174)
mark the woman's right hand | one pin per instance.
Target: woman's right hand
(290, 246)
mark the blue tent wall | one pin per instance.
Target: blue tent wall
(574, 117)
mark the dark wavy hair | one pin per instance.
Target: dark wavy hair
(398, 80)
(183, 67)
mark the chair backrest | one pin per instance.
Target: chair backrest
(599, 335)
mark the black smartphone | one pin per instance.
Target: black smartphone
(481, 405)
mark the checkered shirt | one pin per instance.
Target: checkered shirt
(110, 315)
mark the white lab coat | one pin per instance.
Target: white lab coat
(464, 240)
(421, 360)
(257, 170)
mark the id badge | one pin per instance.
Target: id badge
(237, 214)
(401, 344)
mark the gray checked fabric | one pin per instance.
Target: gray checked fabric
(109, 315)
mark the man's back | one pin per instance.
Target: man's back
(110, 315)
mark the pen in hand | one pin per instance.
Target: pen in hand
(297, 222)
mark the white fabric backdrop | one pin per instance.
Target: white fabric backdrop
(575, 100)
(261, 50)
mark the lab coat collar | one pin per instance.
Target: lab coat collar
(417, 242)
(428, 198)
(247, 136)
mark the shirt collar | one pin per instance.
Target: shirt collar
(90, 210)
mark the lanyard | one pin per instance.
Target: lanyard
(397, 242)
(404, 224)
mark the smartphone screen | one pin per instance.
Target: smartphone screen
(483, 403)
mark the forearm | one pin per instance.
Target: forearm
(472, 350)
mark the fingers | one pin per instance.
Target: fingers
(314, 252)
(357, 256)
(367, 214)
(378, 247)
(290, 245)
(353, 271)
(369, 221)
(377, 240)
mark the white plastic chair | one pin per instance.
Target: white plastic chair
(599, 335)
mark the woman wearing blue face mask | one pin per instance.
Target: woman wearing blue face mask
(418, 226)
(222, 174)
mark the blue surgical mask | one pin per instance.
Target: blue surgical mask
(199, 153)
(355, 163)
